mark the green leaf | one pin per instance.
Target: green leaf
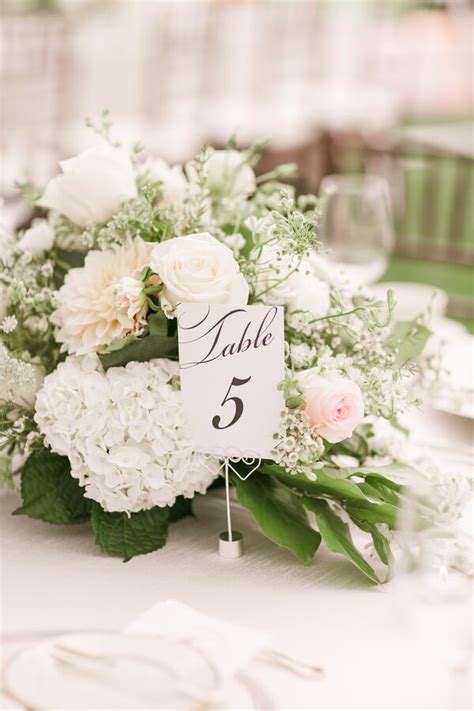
(374, 513)
(381, 480)
(71, 258)
(386, 491)
(371, 492)
(337, 536)
(408, 338)
(49, 492)
(143, 349)
(355, 446)
(158, 324)
(127, 536)
(381, 544)
(118, 343)
(181, 508)
(279, 514)
(338, 485)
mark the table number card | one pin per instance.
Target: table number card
(231, 364)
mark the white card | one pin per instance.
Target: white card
(231, 363)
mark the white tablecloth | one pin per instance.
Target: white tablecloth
(55, 579)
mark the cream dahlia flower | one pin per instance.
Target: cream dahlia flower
(102, 300)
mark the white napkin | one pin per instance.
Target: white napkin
(228, 646)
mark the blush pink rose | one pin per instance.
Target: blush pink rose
(333, 404)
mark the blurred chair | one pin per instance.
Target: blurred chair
(33, 63)
(432, 186)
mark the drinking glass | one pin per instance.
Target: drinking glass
(356, 225)
(432, 580)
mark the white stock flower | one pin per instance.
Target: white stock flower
(39, 238)
(175, 185)
(229, 175)
(287, 281)
(3, 301)
(92, 186)
(19, 381)
(124, 431)
(198, 269)
(9, 324)
(101, 301)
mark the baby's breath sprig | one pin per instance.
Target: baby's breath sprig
(18, 435)
(298, 447)
(29, 192)
(293, 229)
(253, 153)
(142, 217)
(197, 167)
(292, 390)
(103, 127)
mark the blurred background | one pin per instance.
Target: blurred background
(339, 86)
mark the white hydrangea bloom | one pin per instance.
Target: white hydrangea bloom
(124, 432)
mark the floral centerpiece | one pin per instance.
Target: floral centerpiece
(91, 410)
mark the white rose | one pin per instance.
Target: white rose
(287, 282)
(38, 239)
(228, 175)
(92, 187)
(175, 185)
(198, 269)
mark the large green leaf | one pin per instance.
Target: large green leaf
(337, 484)
(336, 534)
(279, 514)
(387, 493)
(374, 512)
(158, 324)
(49, 492)
(376, 478)
(408, 339)
(381, 544)
(142, 349)
(127, 536)
(181, 508)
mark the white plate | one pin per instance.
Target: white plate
(138, 672)
(414, 299)
(455, 394)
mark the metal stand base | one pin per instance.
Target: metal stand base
(231, 546)
(230, 542)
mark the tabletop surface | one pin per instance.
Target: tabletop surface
(454, 138)
(55, 579)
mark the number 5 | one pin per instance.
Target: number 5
(239, 405)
